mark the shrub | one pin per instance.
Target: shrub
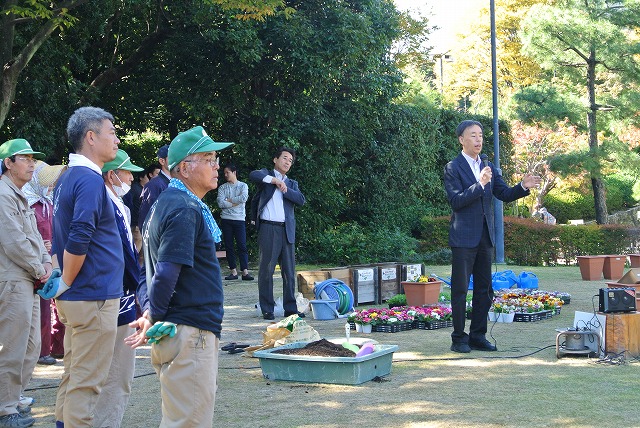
(351, 243)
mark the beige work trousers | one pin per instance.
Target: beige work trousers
(20, 338)
(116, 390)
(187, 365)
(89, 340)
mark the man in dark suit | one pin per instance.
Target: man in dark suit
(276, 224)
(470, 183)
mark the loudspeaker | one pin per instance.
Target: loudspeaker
(617, 300)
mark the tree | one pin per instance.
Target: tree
(535, 145)
(587, 41)
(25, 27)
(470, 78)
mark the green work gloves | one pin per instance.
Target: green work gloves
(161, 329)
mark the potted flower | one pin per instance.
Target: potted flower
(424, 291)
(432, 317)
(502, 310)
(364, 320)
(397, 301)
(393, 320)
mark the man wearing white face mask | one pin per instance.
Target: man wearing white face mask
(115, 393)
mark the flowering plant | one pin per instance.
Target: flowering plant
(433, 313)
(378, 316)
(425, 278)
(507, 306)
(526, 301)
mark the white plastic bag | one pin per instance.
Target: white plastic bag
(302, 303)
(278, 310)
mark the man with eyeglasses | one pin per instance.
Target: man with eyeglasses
(24, 264)
(182, 316)
(276, 224)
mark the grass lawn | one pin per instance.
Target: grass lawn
(521, 385)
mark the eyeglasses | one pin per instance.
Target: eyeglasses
(211, 161)
(32, 161)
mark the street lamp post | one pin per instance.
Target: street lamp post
(497, 204)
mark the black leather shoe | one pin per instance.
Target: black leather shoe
(482, 345)
(300, 314)
(247, 277)
(231, 277)
(268, 316)
(462, 348)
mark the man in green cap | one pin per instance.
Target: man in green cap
(116, 390)
(183, 312)
(24, 263)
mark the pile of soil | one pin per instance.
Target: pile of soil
(319, 348)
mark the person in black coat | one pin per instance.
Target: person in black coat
(471, 181)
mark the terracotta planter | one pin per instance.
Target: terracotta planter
(613, 267)
(422, 293)
(634, 259)
(591, 267)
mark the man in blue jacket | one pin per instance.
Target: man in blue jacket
(87, 245)
(276, 224)
(471, 182)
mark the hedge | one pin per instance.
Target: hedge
(531, 243)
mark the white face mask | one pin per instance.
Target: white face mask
(121, 190)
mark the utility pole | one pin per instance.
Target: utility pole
(497, 204)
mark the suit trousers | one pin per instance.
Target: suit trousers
(116, 390)
(465, 262)
(275, 248)
(187, 365)
(20, 339)
(89, 339)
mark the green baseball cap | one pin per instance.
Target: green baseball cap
(192, 141)
(19, 146)
(122, 161)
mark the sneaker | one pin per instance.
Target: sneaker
(25, 401)
(47, 360)
(14, 420)
(247, 277)
(231, 277)
(23, 410)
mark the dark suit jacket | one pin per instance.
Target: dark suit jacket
(471, 204)
(150, 193)
(292, 197)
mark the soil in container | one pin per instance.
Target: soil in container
(319, 348)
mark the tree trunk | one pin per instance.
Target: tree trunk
(599, 195)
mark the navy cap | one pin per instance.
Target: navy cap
(163, 152)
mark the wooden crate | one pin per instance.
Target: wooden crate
(365, 284)
(307, 281)
(622, 334)
(388, 281)
(343, 274)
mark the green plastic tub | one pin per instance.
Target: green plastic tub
(339, 370)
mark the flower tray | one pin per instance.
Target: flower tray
(392, 328)
(432, 325)
(531, 317)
